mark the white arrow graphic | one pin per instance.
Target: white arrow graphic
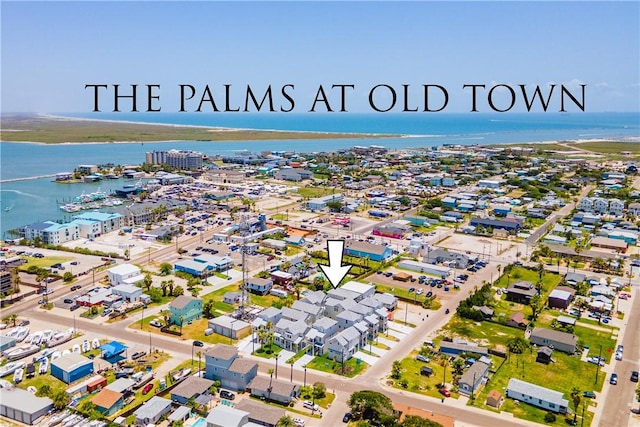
(335, 271)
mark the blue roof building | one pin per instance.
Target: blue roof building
(71, 367)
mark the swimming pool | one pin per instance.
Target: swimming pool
(200, 422)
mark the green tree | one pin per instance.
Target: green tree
(416, 421)
(13, 318)
(458, 366)
(87, 407)
(147, 281)
(165, 269)
(517, 345)
(177, 291)
(319, 390)
(67, 276)
(44, 391)
(396, 370)
(537, 304)
(372, 406)
(60, 399)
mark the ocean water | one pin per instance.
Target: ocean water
(34, 200)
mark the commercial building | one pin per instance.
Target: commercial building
(24, 407)
(71, 367)
(120, 274)
(179, 159)
(6, 284)
(321, 202)
(367, 250)
(229, 327)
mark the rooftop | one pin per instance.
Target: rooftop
(222, 351)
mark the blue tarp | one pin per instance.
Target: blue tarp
(112, 349)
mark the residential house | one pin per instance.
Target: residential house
(185, 309)
(600, 205)
(259, 286)
(536, 395)
(259, 413)
(314, 297)
(342, 294)
(521, 292)
(226, 416)
(608, 243)
(389, 301)
(561, 341)
(470, 380)
(517, 320)
(270, 314)
(487, 312)
(294, 315)
(108, 402)
(362, 290)
(314, 312)
(616, 207)
(274, 390)
(290, 335)
(320, 332)
(152, 410)
(347, 319)
(223, 364)
(344, 345)
(234, 298)
(574, 278)
(190, 388)
(561, 297)
(459, 347)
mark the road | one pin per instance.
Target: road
(620, 399)
(564, 211)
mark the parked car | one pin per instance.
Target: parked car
(107, 312)
(419, 292)
(68, 301)
(298, 422)
(147, 388)
(138, 355)
(412, 290)
(422, 358)
(74, 307)
(347, 417)
(198, 343)
(443, 391)
(76, 287)
(618, 355)
(224, 394)
(613, 380)
(596, 360)
(155, 323)
(634, 376)
(589, 394)
(310, 405)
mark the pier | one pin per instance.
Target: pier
(28, 178)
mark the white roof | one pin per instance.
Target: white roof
(124, 269)
(127, 289)
(357, 287)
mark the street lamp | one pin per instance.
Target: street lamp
(192, 346)
(277, 356)
(291, 379)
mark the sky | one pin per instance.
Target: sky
(51, 50)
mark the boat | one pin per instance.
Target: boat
(21, 351)
(36, 338)
(10, 368)
(46, 336)
(56, 355)
(59, 338)
(44, 366)
(95, 344)
(17, 375)
(58, 418)
(66, 352)
(86, 346)
(45, 353)
(7, 209)
(181, 374)
(75, 348)
(22, 333)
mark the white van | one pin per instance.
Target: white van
(310, 405)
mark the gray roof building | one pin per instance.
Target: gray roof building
(20, 405)
(260, 413)
(152, 410)
(191, 387)
(224, 416)
(536, 395)
(222, 351)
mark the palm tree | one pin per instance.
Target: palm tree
(165, 269)
(458, 366)
(285, 421)
(499, 267)
(181, 320)
(396, 370)
(297, 289)
(147, 281)
(170, 285)
(13, 318)
(444, 362)
(199, 354)
(166, 315)
(177, 291)
(270, 371)
(163, 286)
(575, 397)
(540, 268)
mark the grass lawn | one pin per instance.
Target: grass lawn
(351, 366)
(549, 280)
(217, 296)
(40, 380)
(292, 250)
(420, 383)
(398, 292)
(567, 372)
(315, 191)
(45, 262)
(268, 352)
(483, 333)
(607, 147)
(323, 402)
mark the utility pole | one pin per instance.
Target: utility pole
(598, 365)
